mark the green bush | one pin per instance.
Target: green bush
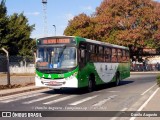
(158, 80)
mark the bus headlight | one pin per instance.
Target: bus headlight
(72, 76)
(75, 74)
(37, 76)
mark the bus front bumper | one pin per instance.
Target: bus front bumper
(70, 82)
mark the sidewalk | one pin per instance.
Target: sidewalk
(145, 72)
(14, 79)
(6, 92)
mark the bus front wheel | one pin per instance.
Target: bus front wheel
(91, 84)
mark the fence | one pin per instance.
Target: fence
(3, 64)
(148, 67)
(17, 64)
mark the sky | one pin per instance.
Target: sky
(58, 13)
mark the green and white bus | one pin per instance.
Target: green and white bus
(75, 62)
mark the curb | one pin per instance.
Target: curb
(20, 90)
(145, 72)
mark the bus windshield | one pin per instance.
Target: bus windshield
(56, 57)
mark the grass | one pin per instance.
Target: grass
(158, 80)
(2, 87)
(17, 74)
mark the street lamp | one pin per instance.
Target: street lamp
(8, 70)
(55, 29)
(44, 1)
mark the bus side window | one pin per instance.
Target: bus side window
(124, 56)
(100, 54)
(107, 54)
(93, 55)
(127, 56)
(120, 55)
(82, 53)
(96, 53)
(114, 55)
(90, 52)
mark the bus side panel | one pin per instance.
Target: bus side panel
(104, 73)
(124, 69)
(84, 73)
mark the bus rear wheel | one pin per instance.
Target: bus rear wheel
(117, 82)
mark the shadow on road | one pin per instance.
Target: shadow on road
(125, 82)
(72, 91)
(111, 85)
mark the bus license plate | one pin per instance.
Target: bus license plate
(54, 83)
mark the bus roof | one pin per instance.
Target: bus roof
(90, 41)
(106, 44)
(62, 36)
(103, 43)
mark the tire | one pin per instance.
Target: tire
(91, 84)
(117, 82)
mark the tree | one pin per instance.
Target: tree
(134, 23)
(81, 25)
(3, 24)
(157, 33)
(19, 34)
(15, 33)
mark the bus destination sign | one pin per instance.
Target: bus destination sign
(56, 41)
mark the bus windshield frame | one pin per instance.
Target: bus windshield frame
(56, 57)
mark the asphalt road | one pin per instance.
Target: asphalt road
(129, 96)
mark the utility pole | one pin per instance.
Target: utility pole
(8, 70)
(44, 2)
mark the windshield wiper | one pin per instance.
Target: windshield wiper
(60, 55)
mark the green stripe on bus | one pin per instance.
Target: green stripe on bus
(56, 76)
